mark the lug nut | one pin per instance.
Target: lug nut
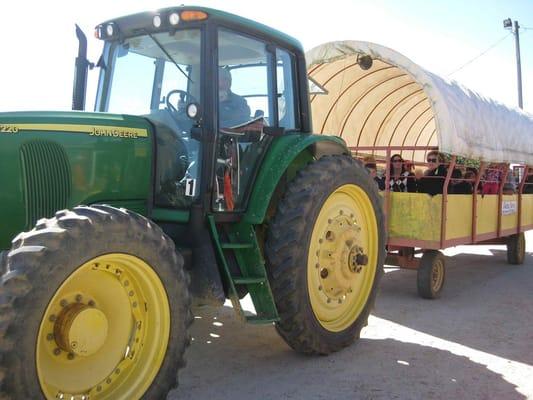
(78, 298)
(324, 273)
(70, 356)
(50, 337)
(91, 303)
(63, 303)
(52, 318)
(57, 351)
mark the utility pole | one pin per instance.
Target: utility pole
(508, 24)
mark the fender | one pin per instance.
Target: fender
(286, 153)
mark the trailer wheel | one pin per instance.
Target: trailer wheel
(431, 274)
(325, 250)
(95, 304)
(516, 248)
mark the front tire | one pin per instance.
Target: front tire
(325, 251)
(95, 304)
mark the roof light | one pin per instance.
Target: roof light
(174, 18)
(157, 21)
(110, 29)
(190, 15)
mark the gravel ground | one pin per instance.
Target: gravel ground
(475, 342)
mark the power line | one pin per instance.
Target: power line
(480, 54)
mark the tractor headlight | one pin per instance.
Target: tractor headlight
(157, 21)
(110, 29)
(174, 18)
(192, 110)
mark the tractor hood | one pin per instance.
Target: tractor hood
(55, 160)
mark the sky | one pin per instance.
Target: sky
(38, 40)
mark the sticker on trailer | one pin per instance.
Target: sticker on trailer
(190, 187)
(509, 207)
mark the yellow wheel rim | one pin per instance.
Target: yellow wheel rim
(105, 332)
(343, 256)
(437, 275)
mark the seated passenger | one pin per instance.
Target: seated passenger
(509, 187)
(466, 186)
(432, 182)
(370, 165)
(401, 180)
(492, 179)
(232, 108)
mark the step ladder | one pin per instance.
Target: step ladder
(242, 241)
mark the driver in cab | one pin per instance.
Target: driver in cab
(233, 109)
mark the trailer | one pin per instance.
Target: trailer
(383, 105)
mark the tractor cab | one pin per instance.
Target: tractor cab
(216, 92)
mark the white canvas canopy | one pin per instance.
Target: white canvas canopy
(397, 103)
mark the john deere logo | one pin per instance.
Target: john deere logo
(91, 130)
(114, 132)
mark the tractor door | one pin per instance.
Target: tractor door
(256, 83)
(157, 76)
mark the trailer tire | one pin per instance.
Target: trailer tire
(431, 274)
(516, 248)
(325, 250)
(84, 291)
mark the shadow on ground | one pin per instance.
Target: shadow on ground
(231, 360)
(486, 304)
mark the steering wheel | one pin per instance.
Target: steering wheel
(185, 98)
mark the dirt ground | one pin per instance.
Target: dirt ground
(475, 342)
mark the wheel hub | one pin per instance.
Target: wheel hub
(340, 256)
(81, 329)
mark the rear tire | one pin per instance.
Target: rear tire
(431, 274)
(3, 262)
(114, 274)
(516, 248)
(325, 250)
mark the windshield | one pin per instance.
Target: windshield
(146, 69)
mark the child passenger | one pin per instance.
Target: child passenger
(370, 165)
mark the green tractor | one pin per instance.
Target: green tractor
(196, 180)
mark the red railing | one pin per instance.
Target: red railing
(503, 170)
